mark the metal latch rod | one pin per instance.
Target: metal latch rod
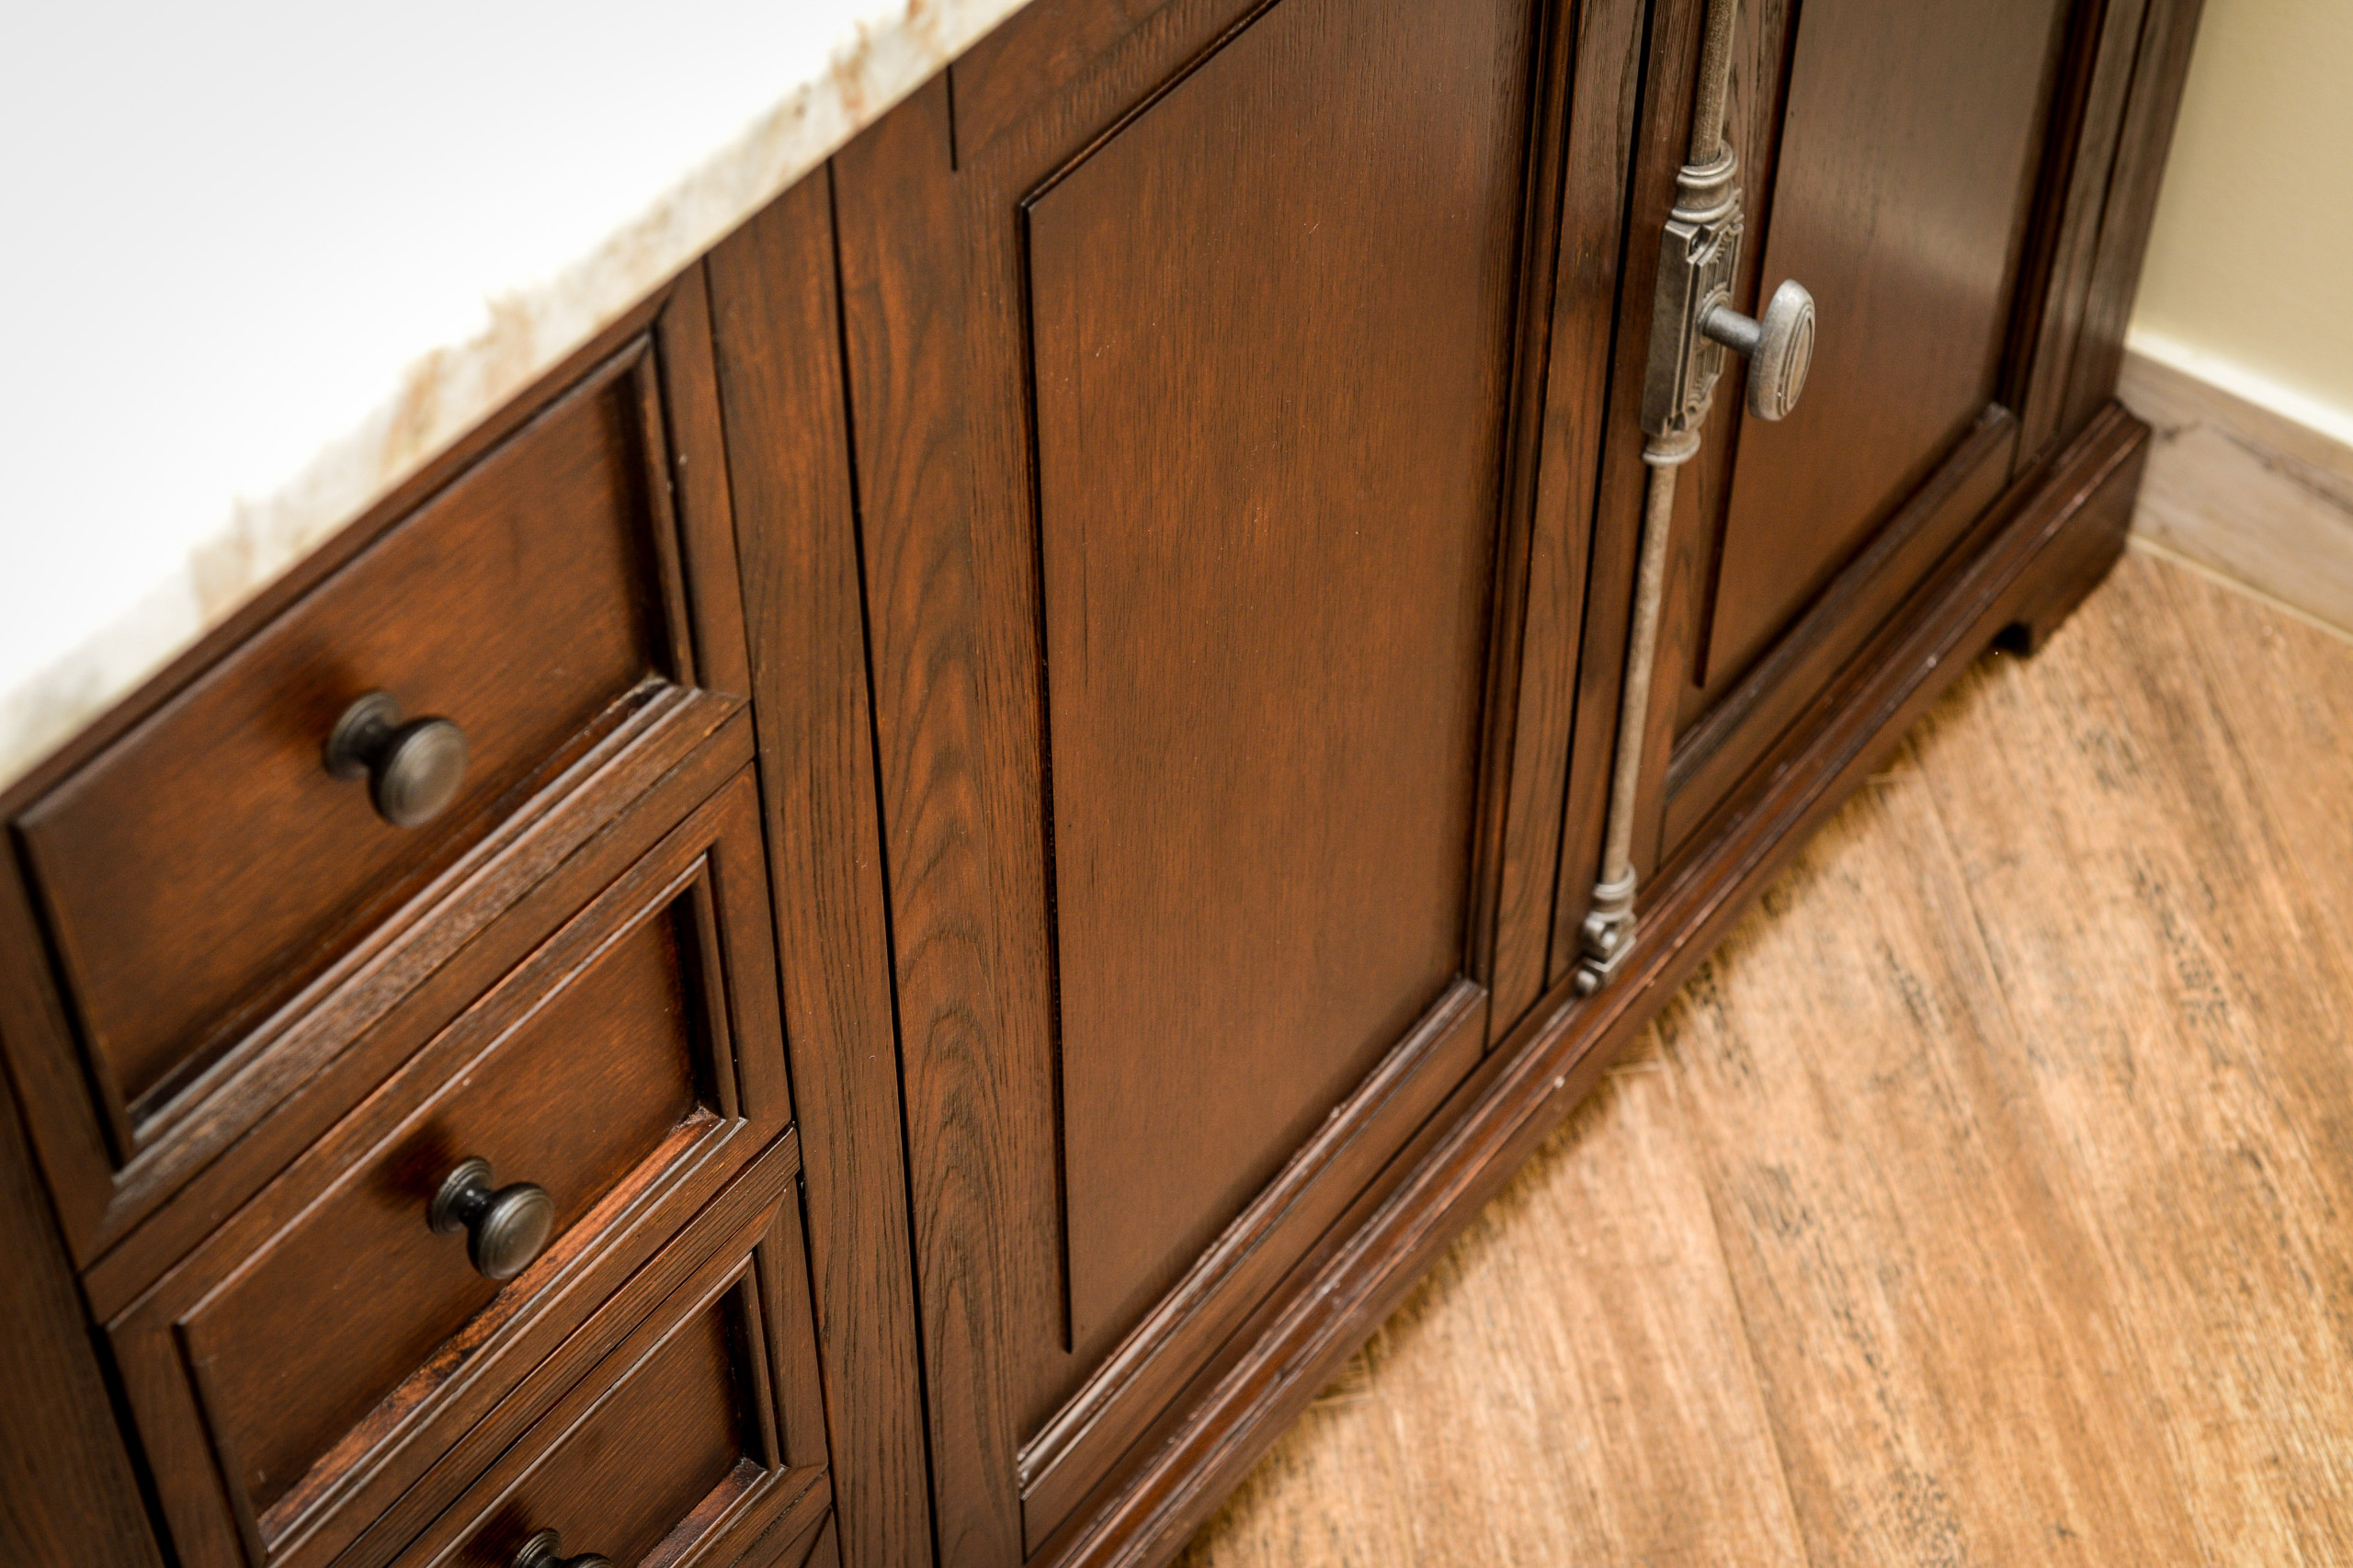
(1692, 326)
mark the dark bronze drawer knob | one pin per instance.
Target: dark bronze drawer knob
(413, 769)
(545, 1549)
(505, 1229)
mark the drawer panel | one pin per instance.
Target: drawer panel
(357, 1294)
(684, 1420)
(201, 870)
(326, 1342)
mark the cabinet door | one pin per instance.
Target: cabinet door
(1890, 154)
(1180, 343)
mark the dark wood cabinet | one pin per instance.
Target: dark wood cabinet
(721, 1374)
(1180, 394)
(1895, 182)
(1894, 158)
(1044, 725)
(259, 1027)
(323, 1345)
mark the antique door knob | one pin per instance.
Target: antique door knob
(505, 1229)
(413, 769)
(545, 1549)
(1779, 347)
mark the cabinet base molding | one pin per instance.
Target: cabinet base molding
(2043, 549)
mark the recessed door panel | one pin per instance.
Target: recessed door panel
(1270, 316)
(1181, 377)
(1899, 200)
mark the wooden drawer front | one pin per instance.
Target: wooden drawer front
(326, 1341)
(698, 1433)
(203, 868)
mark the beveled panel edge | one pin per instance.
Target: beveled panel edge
(627, 1225)
(630, 370)
(229, 560)
(1095, 1425)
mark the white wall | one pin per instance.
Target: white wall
(2249, 279)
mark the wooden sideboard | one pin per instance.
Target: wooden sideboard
(878, 923)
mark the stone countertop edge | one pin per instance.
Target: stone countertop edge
(449, 388)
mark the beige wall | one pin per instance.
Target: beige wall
(2249, 279)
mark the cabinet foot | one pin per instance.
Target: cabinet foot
(2077, 563)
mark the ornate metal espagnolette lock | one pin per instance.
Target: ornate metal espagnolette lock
(1693, 326)
(1692, 321)
(1699, 257)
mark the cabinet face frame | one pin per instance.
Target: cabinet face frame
(1019, 1451)
(777, 329)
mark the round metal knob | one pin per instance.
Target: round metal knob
(505, 1229)
(1779, 347)
(545, 1549)
(413, 769)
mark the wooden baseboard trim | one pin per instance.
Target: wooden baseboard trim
(2062, 529)
(2244, 493)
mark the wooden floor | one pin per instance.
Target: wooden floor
(1986, 1199)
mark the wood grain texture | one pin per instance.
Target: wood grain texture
(211, 853)
(1924, 1299)
(587, 1085)
(2094, 80)
(1892, 161)
(1712, 757)
(1042, 47)
(298, 1370)
(1669, 61)
(199, 872)
(1265, 599)
(603, 1487)
(1603, 93)
(1197, 1321)
(778, 332)
(341, 1051)
(2188, 999)
(722, 1369)
(539, 586)
(1764, 35)
(1162, 899)
(2160, 70)
(952, 634)
(70, 1497)
(1904, 176)
(750, 1228)
(2016, 1111)
(2049, 544)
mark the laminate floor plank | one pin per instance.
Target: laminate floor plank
(1919, 1282)
(2151, 926)
(1981, 1201)
(1585, 1400)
